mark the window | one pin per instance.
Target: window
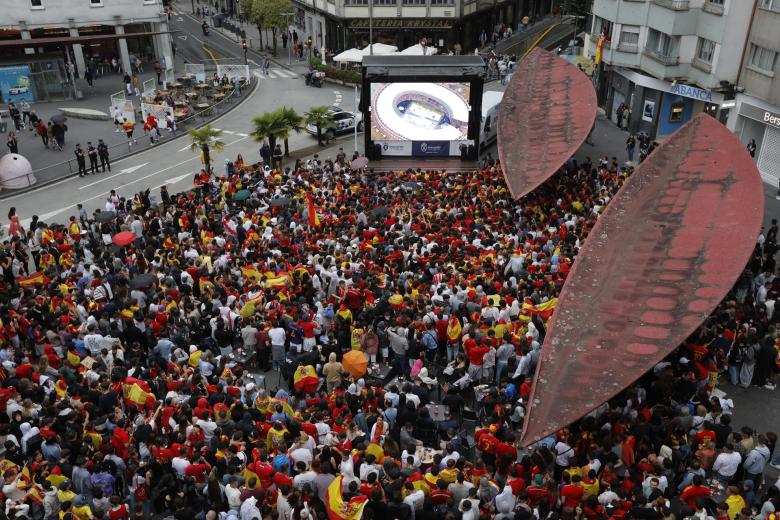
(661, 43)
(676, 113)
(706, 50)
(442, 2)
(771, 4)
(36, 4)
(762, 58)
(356, 2)
(629, 36)
(414, 2)
(384, 2)
(717, 2)
(96, 3)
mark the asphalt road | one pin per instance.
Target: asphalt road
(172, 162)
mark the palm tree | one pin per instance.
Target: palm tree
(294, 123)
(206, 139)
(320, 117)
(271, 126)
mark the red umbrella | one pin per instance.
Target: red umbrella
(123, 238)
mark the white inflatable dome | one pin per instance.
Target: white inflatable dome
(15, 172)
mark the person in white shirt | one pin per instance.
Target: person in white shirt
(726, 464)
(208, 426)
(563, 453)
(303, 477)
(233, 493)
(180, 463)
(415, 499)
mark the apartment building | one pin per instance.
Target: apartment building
(341, 24)
(667, 60)
(78, 32)
(755, 113)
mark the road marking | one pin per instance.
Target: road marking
(210, 53)
(131, 169)
(188, 147)
(183, 37)
(253, 62)
(242, 135)
(231, 132)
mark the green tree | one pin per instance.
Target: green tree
(320, 117)
(294, 123)
(576, 7)
(206, 139)
(271, 13)
(271, 126)
(254, 16)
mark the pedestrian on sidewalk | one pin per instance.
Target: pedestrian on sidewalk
(136, 85)
(129, 127)
(59, 134)
(266, 66)
(630, 147)
(751, 148)
(33, 120)
(158, 71)
(102, 149)
(80, 160)
(93, 158)
(25, 112)
(13, 111)
(43, 132)
(13, 144)
(128, 84)
(88, 77)
(50, 137)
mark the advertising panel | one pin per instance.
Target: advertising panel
(15, 84)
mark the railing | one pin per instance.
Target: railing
(662, 58)
(628, 47)
(675, 5)
(118, 151)
(714, 8)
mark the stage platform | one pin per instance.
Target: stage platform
(394, 164)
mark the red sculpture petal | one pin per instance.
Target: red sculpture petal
(546, 114)
(666, 251)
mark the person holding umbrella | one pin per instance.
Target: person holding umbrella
(58, 129)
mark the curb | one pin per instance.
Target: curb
(37, 186)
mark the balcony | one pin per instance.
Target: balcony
(674, 5)
(631, 48)
(668, 61)
(713, 8)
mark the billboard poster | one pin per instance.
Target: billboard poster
(15, 83)
(430, 148)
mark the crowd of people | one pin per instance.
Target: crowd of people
(198, 367)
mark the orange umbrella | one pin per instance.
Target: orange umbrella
(355, 362)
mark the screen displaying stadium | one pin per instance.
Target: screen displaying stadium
(419, 111)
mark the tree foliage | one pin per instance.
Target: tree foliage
(271, 13)
(206, 139)
(320, 117)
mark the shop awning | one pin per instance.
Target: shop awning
(401, 23)
(546, 114)
(668, 248)
(70, 40)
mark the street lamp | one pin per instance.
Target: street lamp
(245, 47)
(289, 46)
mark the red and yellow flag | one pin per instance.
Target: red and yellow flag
(314, 219)
(545, 310)
(599, 50)
(73, 358)
(305, 378)
(35, 494)
(137, 395)
(32, 280)
(340, 509)
(274, 280)
(454, 329)
(250, 271)
(204, 284)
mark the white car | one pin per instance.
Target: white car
(343, 123)
(17, 90)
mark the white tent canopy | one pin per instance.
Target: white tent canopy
(355, 55)
(380, 49)
(417, 50)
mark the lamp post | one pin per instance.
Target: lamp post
(245, 47)
(289, 43)
(371, 27)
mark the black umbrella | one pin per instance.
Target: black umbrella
(141, 281)
(105, 216)
(58, 118)
(281, 201)
(379, 212)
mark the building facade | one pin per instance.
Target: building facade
(55, 19)
(667, 60)
(756, 109)
(447, 24)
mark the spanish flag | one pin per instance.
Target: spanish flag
(286, 408)
(454, 329)
(137, 395)
(340, 509)
(276, 280)
(251, 273)
(56, 478)
(32, 280)
(305, 378)
(314, 219)
(61, 387)
(203, 284)
(545, 310)
(35, 494)
(73, 358)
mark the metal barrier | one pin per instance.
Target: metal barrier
(70, 167)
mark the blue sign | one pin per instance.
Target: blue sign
(692, 92)
(15, 83)
(430, 148)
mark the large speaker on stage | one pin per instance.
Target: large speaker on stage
(472, 153)
(464, 152)
(377, 155)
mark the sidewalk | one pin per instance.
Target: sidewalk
(49, 165)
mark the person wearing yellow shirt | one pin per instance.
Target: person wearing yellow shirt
(81, 510)
(590, 485)
(66, 494)
(735, 502)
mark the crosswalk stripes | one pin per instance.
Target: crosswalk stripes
(276, 74)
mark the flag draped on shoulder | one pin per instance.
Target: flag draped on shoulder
(454, 329)
(305, 378)
(545, 310)
(340, 509)
(314, 219)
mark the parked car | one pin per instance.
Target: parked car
(343, 123)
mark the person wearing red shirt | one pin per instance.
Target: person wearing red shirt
(572, 492)
(121, 440)
(707, 434)
(118, 510)
(281, 480)
(695, 491)
(537, 493)
(198, 471)
(440, 496)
